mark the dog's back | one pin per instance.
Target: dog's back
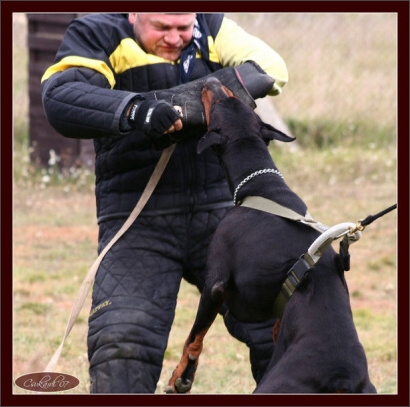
(317, 349)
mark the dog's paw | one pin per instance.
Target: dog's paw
(170, 390)
(183, 376)
(183, 386)
(180, 386)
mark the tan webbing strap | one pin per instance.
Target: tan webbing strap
(267, 205)
(89, 278)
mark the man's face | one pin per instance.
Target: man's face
(164, 35)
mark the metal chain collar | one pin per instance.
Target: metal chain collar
(254, 174)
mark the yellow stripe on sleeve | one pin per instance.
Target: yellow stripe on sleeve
(76, 61)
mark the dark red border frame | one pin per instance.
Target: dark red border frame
(399, 7)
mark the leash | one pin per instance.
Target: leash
(295, 277)
(351, 233)
(89, 278)
(361, 224)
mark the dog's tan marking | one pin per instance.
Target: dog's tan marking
(207, 100)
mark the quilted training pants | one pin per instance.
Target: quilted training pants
(134, 299)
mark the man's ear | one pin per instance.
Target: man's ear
(268, 133)
(132, 17)
(212, 138)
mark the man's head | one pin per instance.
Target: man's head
(164, 35)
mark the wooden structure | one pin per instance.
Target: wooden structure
(45, 32)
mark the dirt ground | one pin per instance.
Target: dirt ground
(53, 226)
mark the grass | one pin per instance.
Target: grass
(342, 66)
(344, 168)
(53, 250)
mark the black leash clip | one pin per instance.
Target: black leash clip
(296, 276)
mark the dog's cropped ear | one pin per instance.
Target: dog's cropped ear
(212, 138)
(268, 133)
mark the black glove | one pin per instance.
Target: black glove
(247, 82)
(256, 81)
(153, 117)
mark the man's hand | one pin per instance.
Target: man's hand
(152, 111)
(155, 117)
(178, 124)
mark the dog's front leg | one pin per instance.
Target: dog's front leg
(209, 305)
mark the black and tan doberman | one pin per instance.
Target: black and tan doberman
(317, 348)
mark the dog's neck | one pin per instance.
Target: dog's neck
(251, 176)
(248, 156)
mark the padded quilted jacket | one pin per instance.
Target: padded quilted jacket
(97, 71)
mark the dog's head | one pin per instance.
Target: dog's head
(229, 119)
